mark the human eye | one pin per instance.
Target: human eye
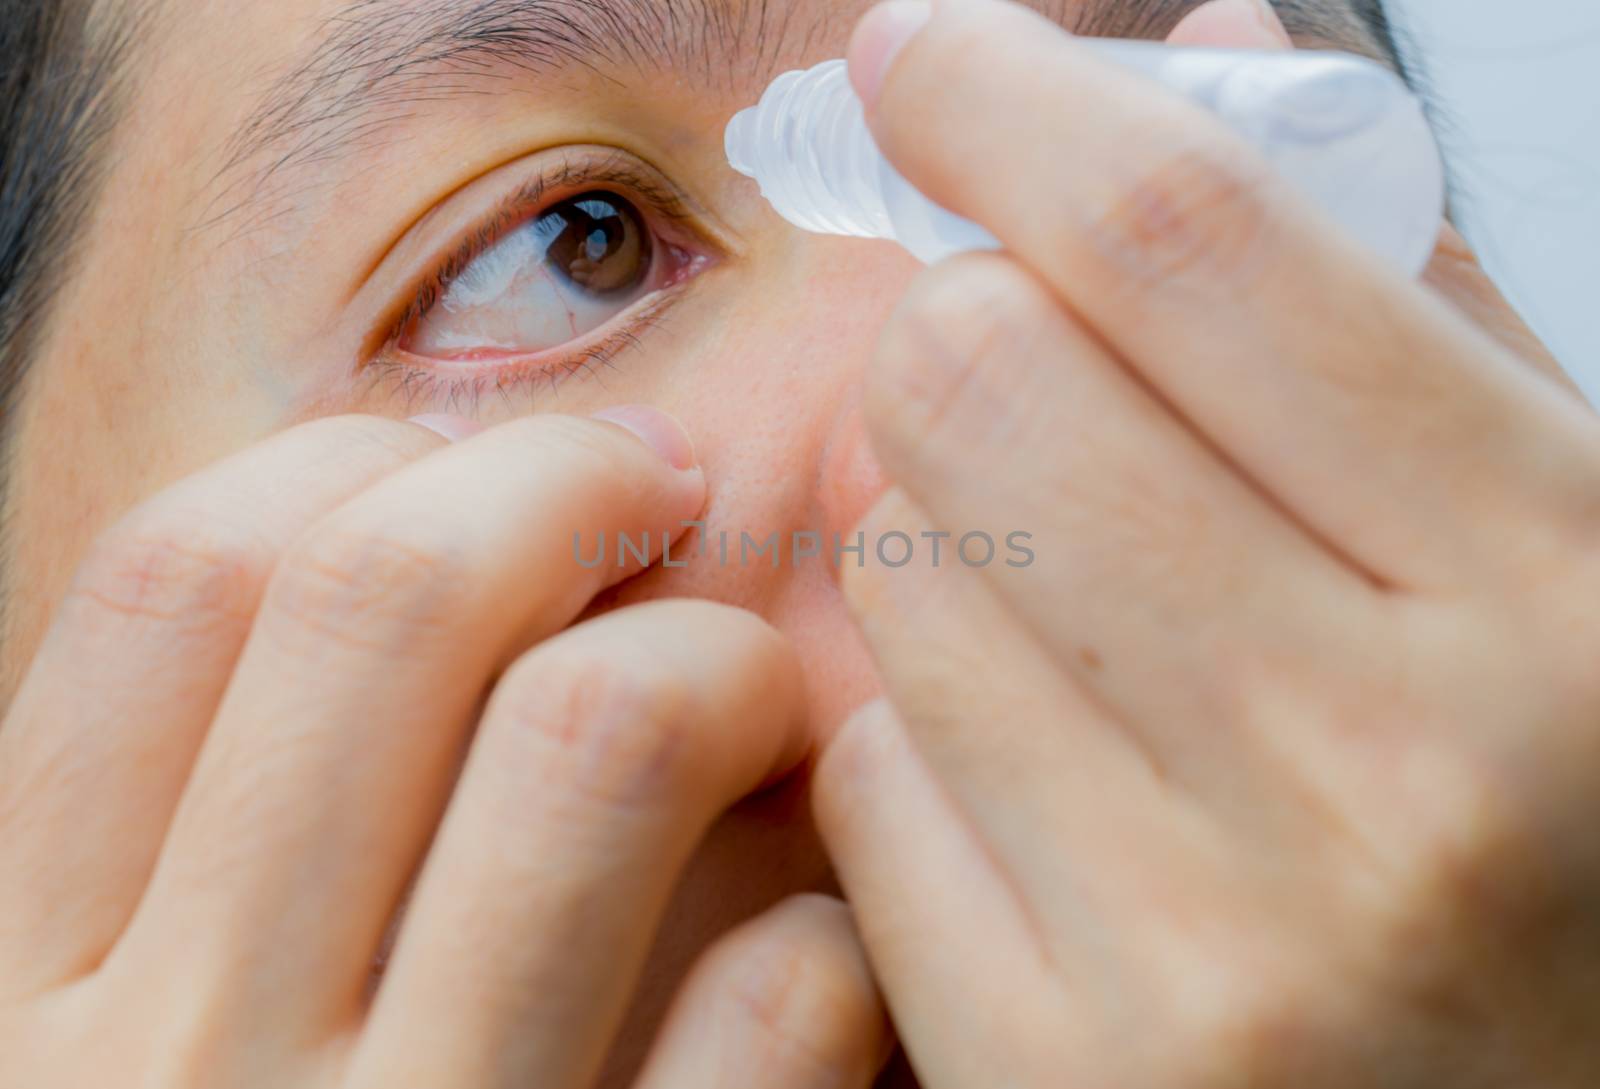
(568, 271)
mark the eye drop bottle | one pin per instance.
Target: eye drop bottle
(1342, 128)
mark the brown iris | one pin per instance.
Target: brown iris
(598, 241)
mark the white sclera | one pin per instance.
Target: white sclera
(1345, 130)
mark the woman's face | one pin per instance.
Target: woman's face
(292, 190)
(281, 225)
(489, 207)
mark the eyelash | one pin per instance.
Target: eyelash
(432, 387)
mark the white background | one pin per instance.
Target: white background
(1519, 83)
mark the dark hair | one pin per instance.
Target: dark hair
(60, 62)
(1332, 22)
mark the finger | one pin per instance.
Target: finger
(939, 917)
(603, 757)
(1232, 24)
(1454, 271)
(1376, 412)
(1158, 577)
(339, 737)
(1020, 746)
(104, 730)
(787, 1001)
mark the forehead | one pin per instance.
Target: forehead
(296, 83)
(254, 106)
(250, 91)
(270, 103)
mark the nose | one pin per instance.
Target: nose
(775, 409)
(868, 280)
(776, 412)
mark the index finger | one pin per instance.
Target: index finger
(1312, 364)
(336, 744)
(97, 744)
(1454, 270)
(603, 757)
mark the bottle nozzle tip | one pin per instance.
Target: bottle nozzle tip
(736, 143)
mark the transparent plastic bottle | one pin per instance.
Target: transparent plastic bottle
(1344, 129)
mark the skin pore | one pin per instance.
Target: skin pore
(269, 216)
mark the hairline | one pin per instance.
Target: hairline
(65, 87)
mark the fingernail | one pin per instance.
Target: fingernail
(878, 40)
(452, 427)
(1233, 24)
(656, 430)
(1271, 22)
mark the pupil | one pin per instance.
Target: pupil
(600, 243)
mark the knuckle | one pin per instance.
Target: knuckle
(803, 991)
(367, 584)
(1466, 847)
(1490, 882)
(155, 566)
(955, 352)
(604, 731)
(1199, 216)
(1229, 1017)
(1259, 1029)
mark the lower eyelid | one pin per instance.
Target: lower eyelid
(417, 383)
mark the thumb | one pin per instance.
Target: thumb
(1454, 270)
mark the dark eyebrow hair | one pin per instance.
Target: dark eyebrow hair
(377, 61)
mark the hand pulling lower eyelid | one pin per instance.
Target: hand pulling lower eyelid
(1342, 128)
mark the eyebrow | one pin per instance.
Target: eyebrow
(377, 63)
